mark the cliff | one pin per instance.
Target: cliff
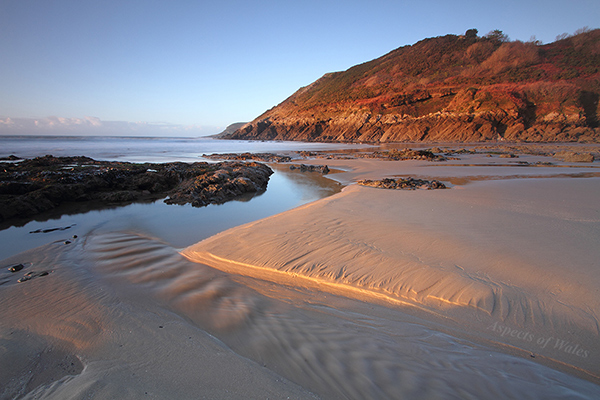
(451, 88)
(229, 130)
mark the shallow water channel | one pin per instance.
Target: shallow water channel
(179, 226)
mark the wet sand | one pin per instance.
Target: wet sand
(488, 289)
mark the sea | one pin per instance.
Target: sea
(178, 226)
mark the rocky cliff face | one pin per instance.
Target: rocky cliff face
(451, 88)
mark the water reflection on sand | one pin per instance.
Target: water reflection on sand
(179, 226)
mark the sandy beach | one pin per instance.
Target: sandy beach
(488, 289)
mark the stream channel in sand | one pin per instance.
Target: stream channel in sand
(179, 226)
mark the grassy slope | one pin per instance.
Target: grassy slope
(557, 83)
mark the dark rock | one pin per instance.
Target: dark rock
(119, 196)
(225, 183)
(33, 274)
(12, 157)
(40, 184)
(16, 268)
(263, 157)
(403, 183)
(48, 230)
(405, 154)
(323, 169)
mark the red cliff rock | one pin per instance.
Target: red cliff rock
(449, 89)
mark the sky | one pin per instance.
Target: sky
(190, 68)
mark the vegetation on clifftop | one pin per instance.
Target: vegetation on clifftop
(432, 89)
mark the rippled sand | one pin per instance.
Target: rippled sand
(486, 290)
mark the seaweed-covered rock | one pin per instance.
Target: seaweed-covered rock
(405, 154)
(403, 183)
(35, 185)
(224, 184)
(323, 169)
(263, 157)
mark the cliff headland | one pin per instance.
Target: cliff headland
(453, 88)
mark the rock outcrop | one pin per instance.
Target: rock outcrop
(449, 89)
(230, 129)
(403, 184)
(406, 154)
(262, 157)
(571, 156)
(322, 169)
(35, 185)
(229, 181)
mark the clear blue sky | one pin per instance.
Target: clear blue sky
(207, 64)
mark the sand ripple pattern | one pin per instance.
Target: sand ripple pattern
(515, 284)
(202, 293)
(339, 352)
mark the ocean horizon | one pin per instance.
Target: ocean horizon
(147, 149)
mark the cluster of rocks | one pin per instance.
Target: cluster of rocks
(10, 158)
(571, 156)
(32, 186)
(403, 183)
(323, 169)
(460, 151)
(229, 181)
(28, 275)
(405, 154)
(309, 154)
(263, 157)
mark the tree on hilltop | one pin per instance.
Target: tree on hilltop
(471, 33)
(497, 35)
